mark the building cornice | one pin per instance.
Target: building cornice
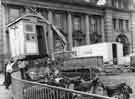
(91, 9)
(118, 9)
(56, 6)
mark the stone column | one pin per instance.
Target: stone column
(50, 33)
(98, 25)
(132, 30)
(102, 29)
(108, 25)
(90, 18)
(87, 29)
(6, 45)
(130, 4)
(117, 5)
(5, 22)
(70, 30)
(2, 31)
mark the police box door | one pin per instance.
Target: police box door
(41, 39)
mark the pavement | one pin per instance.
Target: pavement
(4, 93)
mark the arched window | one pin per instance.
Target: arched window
(124, 40)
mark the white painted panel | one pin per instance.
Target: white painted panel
(99, 49)
(120, 50)
(21, 39)
(31, 48)
(13, 45)
(17, 40)
(120, 53)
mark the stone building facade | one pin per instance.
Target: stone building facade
(82, 22)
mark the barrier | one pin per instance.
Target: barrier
(23, 89)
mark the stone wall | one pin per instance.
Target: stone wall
(1, 36)
(4, 50)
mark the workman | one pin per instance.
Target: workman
(9, 70)
(22, 66)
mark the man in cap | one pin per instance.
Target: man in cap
(8, 71)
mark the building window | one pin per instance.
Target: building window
(77, 23)
(116, 4)
(114, 25)
(127, 26)
(93, 24)
(120, 3)
(78, 35)
(29, 28)
(95, 29)
(126, 4)
(13, 14)
(121, 25)
(113, 3)
(59, 20)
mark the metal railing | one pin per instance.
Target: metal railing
(23, 89)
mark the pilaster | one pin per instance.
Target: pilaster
(108, 25)
(132, 30)
(5, 47)
(102, 29)
(70, 30)
(87, 29)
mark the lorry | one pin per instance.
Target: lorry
(111, 51)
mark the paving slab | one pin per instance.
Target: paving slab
(4, 93)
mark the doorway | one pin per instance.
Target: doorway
(124, 40)
(41, 40)
(114, 52)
